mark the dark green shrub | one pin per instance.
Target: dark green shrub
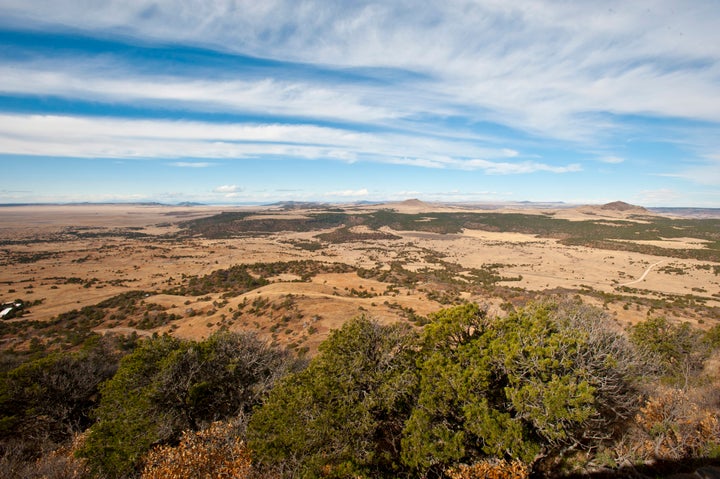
(168, 385)
(527, 386)
(52, 397)
(677, 349)
(343, 415)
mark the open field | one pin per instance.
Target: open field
(294, 274)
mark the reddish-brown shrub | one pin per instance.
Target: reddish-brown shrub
(57, 463)
(492, 469)
(216, 452)
(674, 427)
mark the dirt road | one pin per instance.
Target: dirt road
(641, 278)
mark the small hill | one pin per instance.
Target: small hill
(414, 203)
(622, 206)
(615, 210)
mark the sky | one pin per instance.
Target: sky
(236, 102)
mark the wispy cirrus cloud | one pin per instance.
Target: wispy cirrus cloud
(541, 67)
(662, 196)
(116, 82)
(489, 167)
(507, 168)
(707, 173)
(162, 139)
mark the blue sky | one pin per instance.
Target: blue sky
(235, 101)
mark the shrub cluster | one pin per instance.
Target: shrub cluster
(546, 388)
(382, 401)
(167, 386)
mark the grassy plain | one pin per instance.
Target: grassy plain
(294, 274)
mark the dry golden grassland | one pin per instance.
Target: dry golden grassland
(65, 258)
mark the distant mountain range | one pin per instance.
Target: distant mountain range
(700, 213)
(619, 206)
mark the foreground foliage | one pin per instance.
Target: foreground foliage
(167, 386)
(52, 396)
(495, 469)
(549, 388)
(524, 387)
(215, 452)
(674, 427)
(677, 350)
(379, 402)
(344, 414)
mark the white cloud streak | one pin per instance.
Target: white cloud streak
(51, 135)
(227, 189)
(703, 174)
(361, 193)
(100, 81)
(613, 160)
